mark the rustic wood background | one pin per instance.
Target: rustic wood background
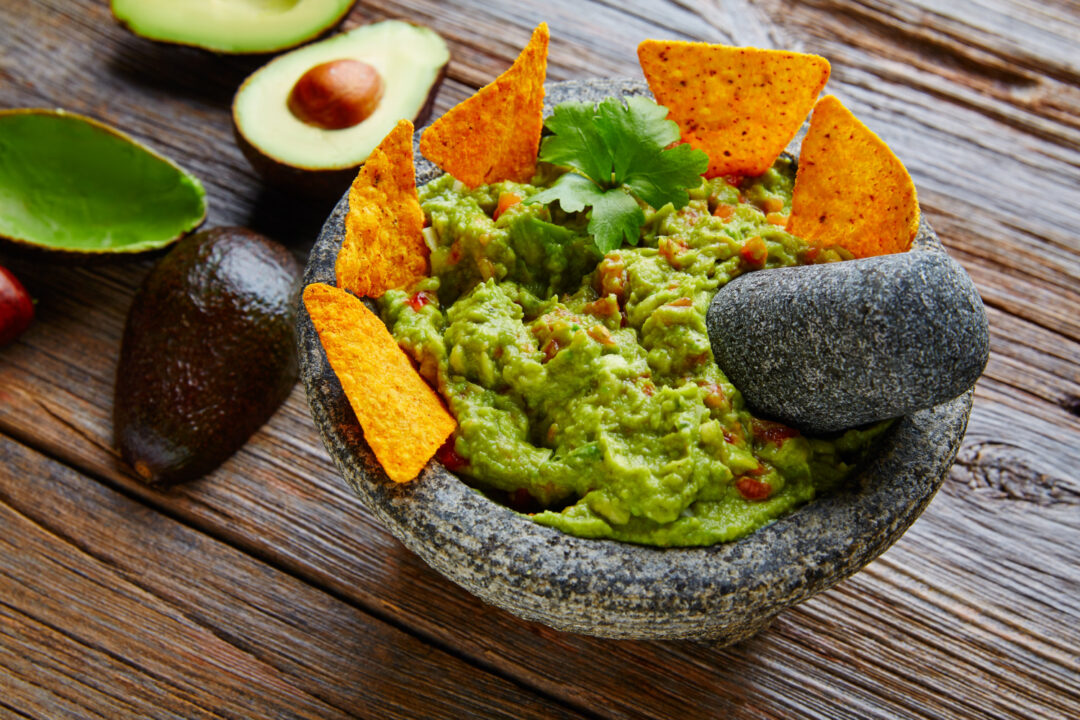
(266, 590)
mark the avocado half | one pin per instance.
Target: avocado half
(231, 26)
(410, 59)
(72, 185)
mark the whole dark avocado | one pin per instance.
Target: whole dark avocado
(207, 354)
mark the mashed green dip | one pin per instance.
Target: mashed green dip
(584, 385)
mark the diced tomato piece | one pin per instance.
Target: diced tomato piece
(724, 212)
(671, 249)
(506, 201)
(778, 219)
(715, 397)
(420, 299)
(753, 489)
(606, 306)
(754, 252)
(448, 456)
(600, 334)
(772, 432)
(733, 179)
(612, 276)
(551, 348)
(455, 253)
(772, 205)
(682, 302)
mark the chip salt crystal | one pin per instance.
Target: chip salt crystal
(384, 246)
(403, 419)
(494, 135)
(740, 105)
(851, 190)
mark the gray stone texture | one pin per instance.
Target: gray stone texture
(722, 593)
(834, 346)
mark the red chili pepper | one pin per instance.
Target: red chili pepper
(16, 307)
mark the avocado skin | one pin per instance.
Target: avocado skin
(207, 355)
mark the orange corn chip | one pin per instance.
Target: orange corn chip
(404, 421)
(384, 247)
(850, 189)
(742, 106)
(495, 134)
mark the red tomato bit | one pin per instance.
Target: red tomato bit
(753, 489)
(506, 201)
(772, 432)
(420, 299)
(754, 252)
(448, 456)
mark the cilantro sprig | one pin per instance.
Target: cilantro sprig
(617, 154)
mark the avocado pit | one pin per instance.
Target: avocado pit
(337, 94)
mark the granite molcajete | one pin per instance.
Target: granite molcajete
(722, 593)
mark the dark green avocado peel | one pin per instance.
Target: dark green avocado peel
(208, 353)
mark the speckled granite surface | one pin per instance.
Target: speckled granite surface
(722, 593)
(834, 346)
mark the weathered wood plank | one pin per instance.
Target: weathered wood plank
(983, 110)
(176, 624)
(280, 499)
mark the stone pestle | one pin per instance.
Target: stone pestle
(834, 346)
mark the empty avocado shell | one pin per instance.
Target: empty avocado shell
(309, 118)
(72, 185)
(231, 26)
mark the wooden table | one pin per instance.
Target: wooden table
(266, 590)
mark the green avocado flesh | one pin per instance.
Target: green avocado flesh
(410, 60)
(231, 26)
(70, 183)
(584, 386)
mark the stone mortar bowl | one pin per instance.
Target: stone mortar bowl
(723, 593)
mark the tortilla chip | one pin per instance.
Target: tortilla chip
(850, 189)
(384, 246)
(404, 421)
(742, 106)
(495, 134)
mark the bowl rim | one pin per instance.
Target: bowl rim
(610, 588)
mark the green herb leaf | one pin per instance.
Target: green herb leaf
(576, 142)
(574, 192)
(618, 155)
(616, 217)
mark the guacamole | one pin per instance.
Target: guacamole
(584, 384)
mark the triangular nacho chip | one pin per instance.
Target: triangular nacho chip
(495, 134)
(384, 246)
(742, 106)
(404, 421)
(850, 189)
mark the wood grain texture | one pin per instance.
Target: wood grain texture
(974, 613)
(177, 624)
